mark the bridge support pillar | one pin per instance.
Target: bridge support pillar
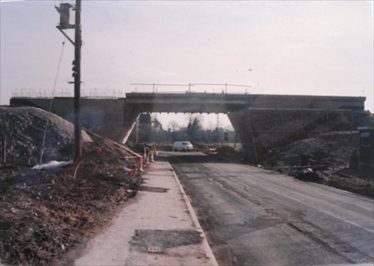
(243, 126)
(129, 120)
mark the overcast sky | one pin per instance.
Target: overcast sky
(277, 47)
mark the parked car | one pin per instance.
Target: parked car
(183, 146)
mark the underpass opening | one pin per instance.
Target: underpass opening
(202, 129)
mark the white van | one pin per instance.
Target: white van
(183, 146)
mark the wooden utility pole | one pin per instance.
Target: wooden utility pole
(65, 10)
(77, 80)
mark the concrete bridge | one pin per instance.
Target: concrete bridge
(261, 121)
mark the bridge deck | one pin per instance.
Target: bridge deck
(221, 102)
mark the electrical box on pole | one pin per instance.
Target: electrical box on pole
(66, 11)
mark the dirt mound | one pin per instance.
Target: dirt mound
(45, 213)
(22, 128)
(331, 151)
(277, 128)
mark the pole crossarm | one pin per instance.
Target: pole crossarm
(66, 36)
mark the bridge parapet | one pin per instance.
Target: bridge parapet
(225, 103)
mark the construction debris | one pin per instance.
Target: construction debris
(45, 212)
(330, 158)
(330, 152)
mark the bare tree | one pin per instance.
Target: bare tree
(173, 126)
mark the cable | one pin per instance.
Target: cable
(51, 101)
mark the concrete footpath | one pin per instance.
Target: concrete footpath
(157, 227)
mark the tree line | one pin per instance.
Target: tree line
(151, 130)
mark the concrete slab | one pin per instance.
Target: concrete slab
(152, 229)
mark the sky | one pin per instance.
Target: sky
(274, 47)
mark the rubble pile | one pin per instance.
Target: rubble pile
(325, 153)
(45, 213)
(22, 133)
(331, 151)
(276, 129)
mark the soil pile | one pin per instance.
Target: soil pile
(324, 153)
(330, 159)
(277, 128)
(331, 151)
(22, 133)
(45, 213)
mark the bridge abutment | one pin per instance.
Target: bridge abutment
(261, 129)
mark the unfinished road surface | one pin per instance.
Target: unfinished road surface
(258, 217)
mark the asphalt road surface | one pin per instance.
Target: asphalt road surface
(258, 217)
